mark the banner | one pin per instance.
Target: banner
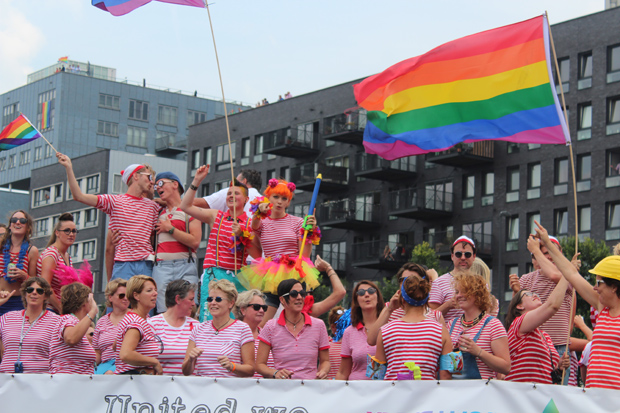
(166, 394)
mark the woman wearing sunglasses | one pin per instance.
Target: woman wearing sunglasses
(25, 335)
(175, 325)
(366, 305)
(295, 339)
(105, 332)
(221, 347)
(139, 346)
(56, 255)
(16, 254)
(70, 350)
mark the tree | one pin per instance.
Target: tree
(423, 254)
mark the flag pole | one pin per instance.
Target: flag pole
(44, 138)
(572, 164)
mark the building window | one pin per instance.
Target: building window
(271, 174)
(469, 190)
(38, 151)
(49, 152)
(584, 77)
(306, 133)
(512, 184)
(564, 65)
(24, 157)
(207, 156)
(11, 161)
(46, 110)
(90, 218)
(533, 181)
(92, 184)
(585, 222)
(613, 115)
(10, 113)
(584, 172)
(118, 186)
(481, 233)
(245, 151)
(2, 164)
(41, 227)
(513, 147)
(613, 63)
(584, 126)
(335, 253)
(532, 146)
(612, 224)
(512, 233)
(107, 128)
(258, 148)
(301, 210)
(109, 101)
(561, 177)
(439, 196)
(560, 222)
(488, 188)
(204, 190)
(47, 195)
(136, 136)
(221, 185)
(138, 110)
(222, 156)
(195, 159)
(612, 168)
(531, 217)
(285, 173)
(194, 117)
(167, 115)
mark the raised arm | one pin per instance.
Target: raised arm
(187, 203)
(338, 290)
(78, 195)
(547, 268)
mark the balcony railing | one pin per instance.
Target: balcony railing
(374, 167)
(349, 215)
(289, 142)
(170, 141)
(408, 203)
(346, 127)
(335, 178)
(464, 154)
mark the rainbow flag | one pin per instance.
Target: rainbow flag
(17, 133)
(63, 59)
(121, 7)
(493, 85)
(45, 115)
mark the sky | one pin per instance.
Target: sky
(266, 48)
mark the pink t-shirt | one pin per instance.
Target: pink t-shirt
(334, 358)
(149, 344)
(175, 341)
(104, 337)
(280, 236)
(298, 354)
(78, 359)
(355, 346)
(442, 291)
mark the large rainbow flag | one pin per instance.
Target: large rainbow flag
(17, 133)
(121, 7)
(493, 85)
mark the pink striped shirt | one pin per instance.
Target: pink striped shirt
(334, 358)
(35, 348)
(149, 344)
(280, 236)
(298, 354)
(53, 252)
(218, 250)
(419, 342)
(78, 359)
(104, 338)
(270, 363)
(175, 341)
(400, 313)
(442, 291)
(14, 258)
(135, 218)
(225, 342)
(168, 248)
(604, 365)
(355, 346)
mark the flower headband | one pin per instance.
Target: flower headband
(274, 182)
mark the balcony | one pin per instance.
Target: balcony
(346, 127)
(170, 145)
(380, 255)
(349, 215)
(464, 155)
(441, 242)
(338, 261)
(373, 167)
(406, 203)
(335, 178)
(291, 143)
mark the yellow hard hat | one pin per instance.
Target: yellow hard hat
(608, 267)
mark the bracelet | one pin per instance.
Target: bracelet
(274, 374)
(234, 366)
(91, 319)
(479, 353)
(194, 187)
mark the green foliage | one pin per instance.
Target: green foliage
(388, 287)
(423, 254)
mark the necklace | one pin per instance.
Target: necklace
(468, 324)
(294, 324)
(217, 330)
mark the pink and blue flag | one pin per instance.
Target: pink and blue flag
(121, 7)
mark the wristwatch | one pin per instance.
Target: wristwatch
(194, 187)
(171, 231)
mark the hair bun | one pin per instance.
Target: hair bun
(291, 186)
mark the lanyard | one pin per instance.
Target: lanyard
(22, 335)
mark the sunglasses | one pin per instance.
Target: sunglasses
(257, 307)
(69, 231)
(529, 294)
(459, 254)
(20, 220)
(295, 293)
(39, 290)
(598, 283)
(122, 296)
(370, 290)
(216, 299)
(146, 173)
(161, 183)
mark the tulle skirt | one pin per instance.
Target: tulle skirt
(265, 274)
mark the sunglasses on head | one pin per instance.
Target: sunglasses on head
(459, 254)
(295, 293)
(161, 183)
(69, 231)
(15, 220)
(257, 307)
(217, 299)
(370, 290)
(39, 290)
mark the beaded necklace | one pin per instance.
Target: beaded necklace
(23, 250)
(469, 324)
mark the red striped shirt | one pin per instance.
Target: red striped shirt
(442, 291)
(35, 349)
(175, 341)
(531, 355)
(227, 342)
(169, 248)
(104, 338)
(135, 218)
(419, 342)
(334, 359)
(280, 236)
(78, 359)
(148, 346)
(53, 252)
(270, 363)
(604, 364)
(218, 250)
(14, 258)
(574, 368)
(355, 346)
(400, 313)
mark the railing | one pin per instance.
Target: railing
(345, 122)
(346, 210)
(366, 162)
(307, 173)
(484, 149)
(290, 137)
(406, 199)
(338, 260)
(170, 141)
(440, 241)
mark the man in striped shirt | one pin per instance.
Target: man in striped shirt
(130, 213)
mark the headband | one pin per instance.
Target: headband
(410, 300)
(555, 241)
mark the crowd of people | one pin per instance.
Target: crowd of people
(251, 312)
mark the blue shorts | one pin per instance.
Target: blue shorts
(127, 269)
(167, 271)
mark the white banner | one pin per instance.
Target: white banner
(164, 394)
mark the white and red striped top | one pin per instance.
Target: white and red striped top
(604, 364)
(168, 248)
(78, 359)
(175, 341)
(280, 236)
(531, 355)
(14, 258)
(135, 218)
(419, 342)
(557, 326)
(104, 337)
(334, 358)
(442, 291)
(492, 331)
(149, 344)
(355, 346)
(400, 313)
(53, 252)
(574, 369)
(35, 349)
(218, 249)
(227, 342)
(270, 362)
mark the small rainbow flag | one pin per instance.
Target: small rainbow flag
(121, 7)
(493, 85)
(63, 59)
(45, 115)
(17, 133)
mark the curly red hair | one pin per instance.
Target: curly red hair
(473, 285)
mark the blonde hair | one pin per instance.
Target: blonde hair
(226, 287)
(111, 289)
(243, 300)
(136, 285)
(479, 267)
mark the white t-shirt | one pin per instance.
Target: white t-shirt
(217, 200)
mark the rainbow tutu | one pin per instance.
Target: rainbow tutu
(266, 274)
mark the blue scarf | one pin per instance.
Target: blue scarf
(7, 258)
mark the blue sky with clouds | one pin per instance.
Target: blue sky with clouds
(266, 48)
